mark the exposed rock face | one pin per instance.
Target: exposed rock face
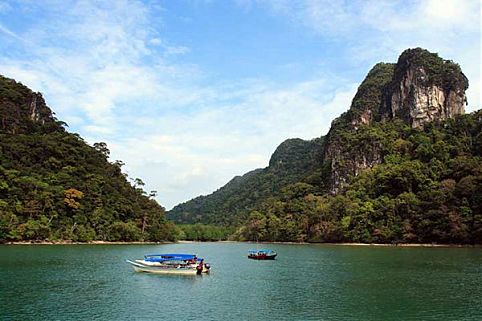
(420, 88)
(21, 108)
(350, 162)
(425, 88)
(38, 111)
(346, 159)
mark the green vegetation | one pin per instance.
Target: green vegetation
(444, 73)
(293, 160)
(392, 183)
(54, 186)
(428, 189)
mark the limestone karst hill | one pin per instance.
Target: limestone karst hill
(402, 164)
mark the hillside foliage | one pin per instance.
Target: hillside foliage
(292, 161)
(54, 186)
(373, 178)
(428, 189)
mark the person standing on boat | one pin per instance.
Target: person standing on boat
(199, 267)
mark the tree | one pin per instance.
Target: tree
(72, 198)
(255, 229)
(102, 148)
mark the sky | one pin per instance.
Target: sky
(190, 93)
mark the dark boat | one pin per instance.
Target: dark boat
(264, 254)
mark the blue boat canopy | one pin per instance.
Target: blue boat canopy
(170, 257)
(261, 251)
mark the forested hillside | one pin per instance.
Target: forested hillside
(427, 189)
(54, 186)
(292, 161)
(403, 164)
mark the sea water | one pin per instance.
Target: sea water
(305, 282)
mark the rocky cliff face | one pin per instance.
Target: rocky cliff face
(425, 88)
(420, 88)
(348, 162)
(21, 109)
(346, 158)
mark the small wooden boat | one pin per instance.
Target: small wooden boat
(183, 264)
(264, 254)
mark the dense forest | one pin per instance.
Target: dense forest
(401, 165)
(54, 186)
(290, 163)
(428, 189)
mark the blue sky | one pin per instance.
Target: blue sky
(191, 93)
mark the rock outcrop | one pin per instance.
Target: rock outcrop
(22, 109)
(425, 88)
(347, 159)
(420, 88)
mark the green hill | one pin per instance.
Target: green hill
(403, 164)
(54, 186)
(427, 188)
(229, 205)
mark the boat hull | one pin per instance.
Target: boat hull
(262, 257)
(138, 267)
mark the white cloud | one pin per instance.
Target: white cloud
(379, 30)
(182, 137)
(91, 52)
(450, 13)
(176, 50)
(185, 156)
(9, 32)
(106, 69)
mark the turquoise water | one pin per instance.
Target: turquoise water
(306, 282)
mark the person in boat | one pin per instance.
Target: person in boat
(199, 267)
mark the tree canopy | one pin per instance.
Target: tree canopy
(54, 186)
(427, 189)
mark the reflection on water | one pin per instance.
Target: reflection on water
(305, 282)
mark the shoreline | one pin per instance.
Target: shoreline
(425, 245)
(84, 243)
(433, 245)
(410, 245)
